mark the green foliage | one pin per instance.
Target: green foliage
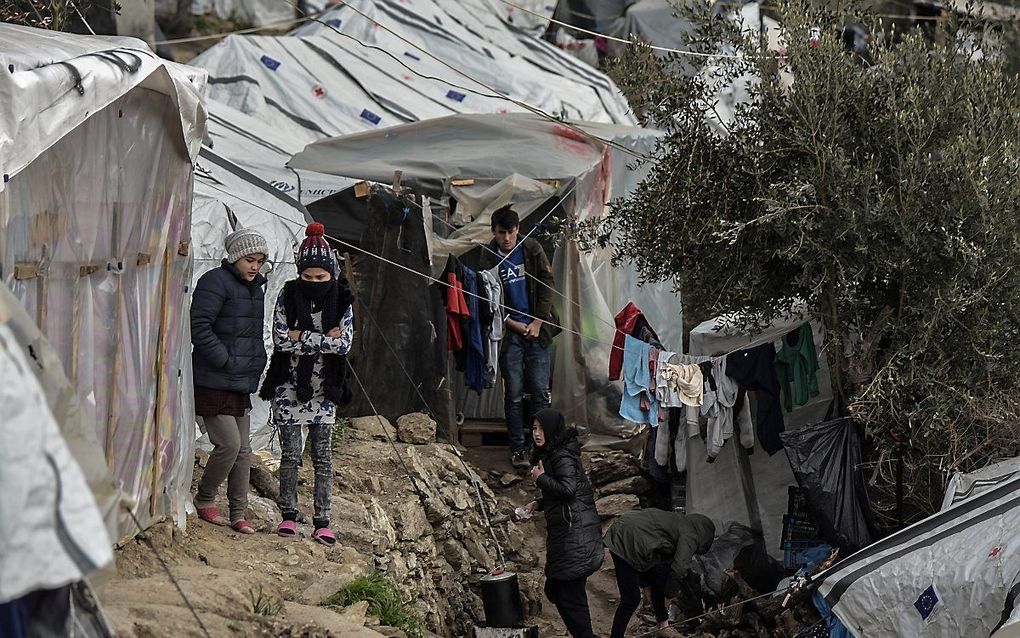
(263, 604)
(882, 188)
(384, 602)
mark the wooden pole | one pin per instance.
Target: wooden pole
(111, 423)
(162, 378)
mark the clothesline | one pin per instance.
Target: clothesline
(485, 246)
(752, 344)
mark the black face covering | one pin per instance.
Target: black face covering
(315, 290)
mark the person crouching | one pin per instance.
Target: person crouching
(313, 327)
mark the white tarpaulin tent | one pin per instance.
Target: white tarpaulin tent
(98, 136)
(538, 161)
(955, 574)
(258, 13)
(749, 489)
(474, 38)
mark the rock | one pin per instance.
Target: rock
(324, 586)
(615, 505)
(327, 619)
(263, 482)
(456, 555)
(457, 498)
(353, 510)
(356, 613)
(375, 426)
(390, 632)
(510, 479)
(263, 514)
(636, 485)
(416, 428)
(412, 520)
(608, 467)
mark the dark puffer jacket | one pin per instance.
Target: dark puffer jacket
(574, 544)
(227, 316)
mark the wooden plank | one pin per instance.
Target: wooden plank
(162, 379)
(25, 270)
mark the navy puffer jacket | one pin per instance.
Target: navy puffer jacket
(227, 319)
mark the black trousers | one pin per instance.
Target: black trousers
(571, 601)
(630, 581)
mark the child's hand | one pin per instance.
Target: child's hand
(334, 333)
(295, 335)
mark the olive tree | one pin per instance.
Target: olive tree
(881, 187)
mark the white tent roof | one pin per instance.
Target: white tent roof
(51, 82)
(473, 37)
(954, 574)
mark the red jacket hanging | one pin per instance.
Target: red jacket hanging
(456, 309)
(628, 322)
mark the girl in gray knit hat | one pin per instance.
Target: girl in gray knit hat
(227, 313)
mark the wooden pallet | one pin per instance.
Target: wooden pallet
(476, 433)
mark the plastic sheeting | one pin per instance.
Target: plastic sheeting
(62, 398)
(964, 486)
(954, 574)
(578, 171)
(826, 460)
(255, 12)
(96, 214)
(491, 55)
(434, 153)
(749, 489)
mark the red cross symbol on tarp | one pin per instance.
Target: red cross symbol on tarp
(319, 91)
(995, 552)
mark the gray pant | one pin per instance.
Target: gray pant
(320, 437)
(230, 460)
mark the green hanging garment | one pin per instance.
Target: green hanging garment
(797, 362)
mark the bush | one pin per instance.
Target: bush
(384, 602)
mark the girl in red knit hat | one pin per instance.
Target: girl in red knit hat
(312, 333)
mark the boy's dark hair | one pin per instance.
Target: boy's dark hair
(505, 218)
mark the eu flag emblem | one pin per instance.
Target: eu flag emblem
(926, 602)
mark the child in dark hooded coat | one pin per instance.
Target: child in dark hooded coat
(574, 549)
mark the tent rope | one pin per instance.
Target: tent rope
(166, 568)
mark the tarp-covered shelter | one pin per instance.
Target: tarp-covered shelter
(571, 169)
(98, 138)
(341, 74)
(51, 468)
(749, 488)
(956, 573)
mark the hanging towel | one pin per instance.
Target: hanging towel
(636, 405)
(629, 322)
(685, 384)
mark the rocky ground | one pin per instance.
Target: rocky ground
(422, 526)
(435, 547)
